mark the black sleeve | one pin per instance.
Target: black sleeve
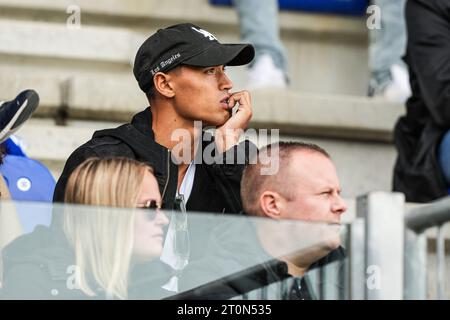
(231, 263)
(75, 159)
(26, 282)
(229, 172)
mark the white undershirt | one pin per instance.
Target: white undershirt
(187, 183)
(168, 255)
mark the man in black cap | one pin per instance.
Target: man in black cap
(181, 69)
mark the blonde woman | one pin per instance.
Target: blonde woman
(93, 253)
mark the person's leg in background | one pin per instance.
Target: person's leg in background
(15, 112)
(389, 75)
(258, 21)
(444, 156)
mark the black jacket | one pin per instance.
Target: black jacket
(41, 265)
(417, 135)
(234, 263)
(216, 186)
(36, 266)
(270, 273)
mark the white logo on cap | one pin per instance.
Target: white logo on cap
(205, 33)
(24, 184)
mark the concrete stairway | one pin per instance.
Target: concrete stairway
(84, 78)
(358, 136)
(321, 49)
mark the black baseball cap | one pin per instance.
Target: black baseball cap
(186, 44)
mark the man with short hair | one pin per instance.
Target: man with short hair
(306, 187)
(274, 254)
(181, 69)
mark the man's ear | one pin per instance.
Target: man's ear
(269, 203)
(162, 84)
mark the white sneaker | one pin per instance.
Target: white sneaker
(264, 74)
(399, 90)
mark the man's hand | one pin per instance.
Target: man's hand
(228, 134)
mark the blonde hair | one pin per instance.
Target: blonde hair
(103, 238)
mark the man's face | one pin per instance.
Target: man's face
(201, 94)
(315, 190)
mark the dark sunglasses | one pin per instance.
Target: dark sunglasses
(153, 205)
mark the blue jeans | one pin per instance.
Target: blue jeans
(444, 156)
(388, 44)
(258, 21)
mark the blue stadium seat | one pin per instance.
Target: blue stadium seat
(13, 147)
(29, 180)
(346, 7)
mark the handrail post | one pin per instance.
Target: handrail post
(384, 242)
(440, 252)
(357, 253)
(415, 260)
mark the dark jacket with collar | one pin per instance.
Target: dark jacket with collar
(417, 135)
(37, 266)
(216, 186)
(234, 263)
(41, 265)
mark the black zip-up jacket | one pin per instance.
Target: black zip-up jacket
(418, 134)
(40, 265)
(234, 262)
(216, 186)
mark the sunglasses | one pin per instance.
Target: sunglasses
(153, 205)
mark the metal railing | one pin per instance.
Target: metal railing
(387, 249)
(418, 221)
(393, 241)
(387, 253)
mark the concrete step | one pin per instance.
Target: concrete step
(49, 90)
(51, 144)
(332, 116)
(50, 40)
(336, 116)
(176, 10)
(321, 48)
(362, 166)
(101, 97)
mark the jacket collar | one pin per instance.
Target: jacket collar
(46, 247)
(139, 137)
(142, 121)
